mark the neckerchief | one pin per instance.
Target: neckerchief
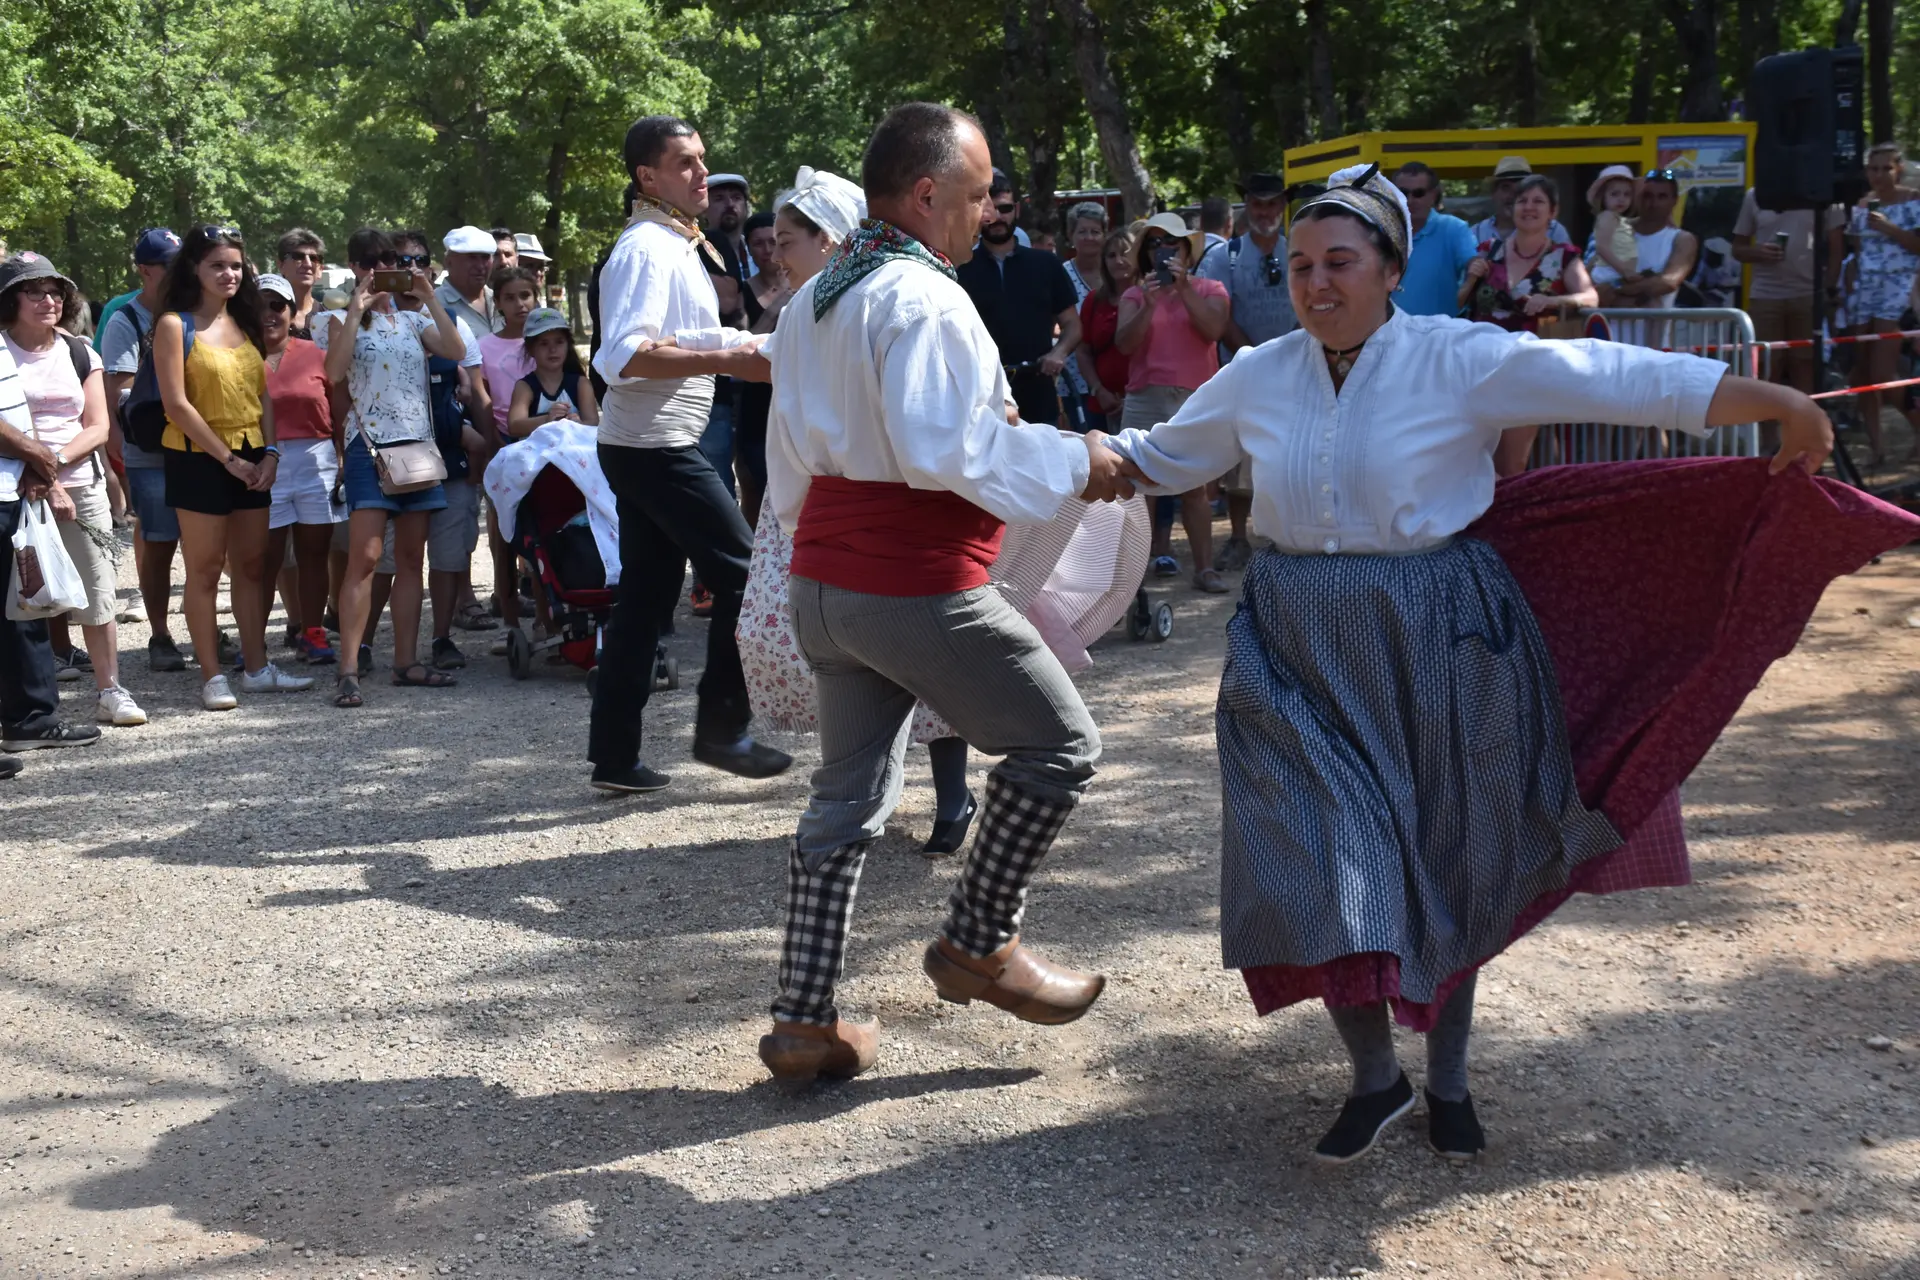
(648, 209)
(873, 246)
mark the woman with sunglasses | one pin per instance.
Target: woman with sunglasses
(380, 353)
(300, 256)
(219, 450)
(1171, 323)
(66, 414)
(303, 509)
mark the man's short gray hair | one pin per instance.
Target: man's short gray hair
(916, 140)
(1087, 211)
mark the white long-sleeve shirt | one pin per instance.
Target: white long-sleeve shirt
(1402, 458)
(902, 383)
(653, 285)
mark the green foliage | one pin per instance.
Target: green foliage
(333, 113)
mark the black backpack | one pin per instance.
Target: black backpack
(143, 417)
(449, 416)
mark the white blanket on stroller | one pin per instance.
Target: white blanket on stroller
(572, 448)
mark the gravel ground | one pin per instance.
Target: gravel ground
(291, 991)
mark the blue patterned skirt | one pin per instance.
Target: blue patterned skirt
(1394, 761)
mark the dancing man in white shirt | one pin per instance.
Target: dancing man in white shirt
(672, 503)
(891, 459)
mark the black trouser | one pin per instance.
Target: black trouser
(1037, 396)
(672, 508)
(29, 698)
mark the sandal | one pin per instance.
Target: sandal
(348, 694)
(1210, 581)
(429, 678)
(474, 618)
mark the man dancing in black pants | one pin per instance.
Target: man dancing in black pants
(671, 501)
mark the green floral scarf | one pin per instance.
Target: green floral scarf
(874, 245)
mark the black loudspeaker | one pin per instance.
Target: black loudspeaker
(1811, 144)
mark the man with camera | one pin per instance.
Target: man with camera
(1024, 296)
(1253, 267)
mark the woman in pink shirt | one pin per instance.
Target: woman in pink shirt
(1170, 328)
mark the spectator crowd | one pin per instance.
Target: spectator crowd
(230, 413)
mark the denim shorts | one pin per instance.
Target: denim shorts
(362, 486)
(147, 490)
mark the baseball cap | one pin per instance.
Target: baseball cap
(469, 240)
(528, 246)
(27, 265)
(155, 247)
(728, 180)
(545, 320)
(271, 283)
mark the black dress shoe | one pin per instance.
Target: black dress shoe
(950, 833)
(1453, 1129)
(629, 781)
(746, 757)
(1362, 1120)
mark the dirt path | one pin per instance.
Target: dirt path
(296, 992)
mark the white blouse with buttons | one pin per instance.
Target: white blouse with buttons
(1401, 457)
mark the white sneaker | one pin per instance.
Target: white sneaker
(116, 706)
(216, 696)
(271, 679)
(131, 611)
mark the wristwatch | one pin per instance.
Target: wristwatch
(59, 458)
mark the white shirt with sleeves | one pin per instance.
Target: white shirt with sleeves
(1402, 458)
(901, 383)
(654, 285)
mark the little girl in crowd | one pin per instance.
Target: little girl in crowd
(557, 388)
(1617, 253)
(503, 356)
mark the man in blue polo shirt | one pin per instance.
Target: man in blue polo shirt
(1442, 246)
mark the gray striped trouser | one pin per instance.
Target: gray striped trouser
(984, 669)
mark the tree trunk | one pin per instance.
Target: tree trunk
(1640, 87)
(1235, 120)
(1119, 149)
(1046, 125)
(556, 192)
(1759, 35)
(1696, 24)
(1527, 74)
(1320, 47)
(1882, 124)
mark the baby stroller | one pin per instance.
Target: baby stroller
(551, 533)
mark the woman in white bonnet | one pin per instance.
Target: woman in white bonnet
(810, 223)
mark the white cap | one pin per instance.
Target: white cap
(528, 246)
(728, 180)
(832, 203)
(469, 240)
(274, 284)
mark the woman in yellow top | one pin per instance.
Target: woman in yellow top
(218, 449)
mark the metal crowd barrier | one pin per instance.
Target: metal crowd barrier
(1717, 333)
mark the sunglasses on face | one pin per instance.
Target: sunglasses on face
(277, 304)
(411, 260)
(311, 258)
(1005, 208)
(384, 260)
(1416, 193)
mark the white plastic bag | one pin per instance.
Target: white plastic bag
(44, 582)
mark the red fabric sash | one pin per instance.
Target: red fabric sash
(893, 540)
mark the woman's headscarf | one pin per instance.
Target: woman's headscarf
(828, 200)
(1363, 190)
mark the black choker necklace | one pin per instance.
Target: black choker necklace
(1343, 360)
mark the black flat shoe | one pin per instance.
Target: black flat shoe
(1362, 1120)
(629, 781)
(1453, 1129)
(747, 758)
(950, 833)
